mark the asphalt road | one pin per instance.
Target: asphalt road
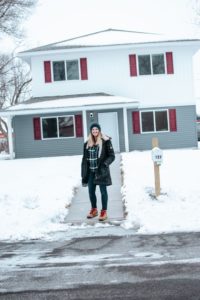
(110, 264)
(167, 290)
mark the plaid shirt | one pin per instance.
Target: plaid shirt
(92, 157)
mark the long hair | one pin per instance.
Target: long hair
(91, 140)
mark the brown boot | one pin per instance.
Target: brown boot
(103, 215)
(92, 213)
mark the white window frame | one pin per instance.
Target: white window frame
(58, 133)
(151, 64)
(65, 66)
(154, 120)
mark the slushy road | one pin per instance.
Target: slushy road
(108, 263)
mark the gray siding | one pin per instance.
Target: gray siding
(185, 136)
(26, 146)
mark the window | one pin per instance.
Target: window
(144, 64)
(151, 64)
(66, 126)
(62, 70)
(49, 128)
(72, 70)
(158, 64)
(65, 70)
(58, 127)
(147, 121)
(161, 120)
(154, 121)
(58, 70)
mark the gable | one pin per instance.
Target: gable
(110, 37)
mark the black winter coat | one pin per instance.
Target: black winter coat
(102, 174)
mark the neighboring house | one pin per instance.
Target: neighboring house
(3, 143)
(136, 85)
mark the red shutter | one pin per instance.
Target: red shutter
(37, 128)
(169, 62)
(84, 72)
(136, 121)
(79, 125)
(47, 71)
(133, 65)
(172, 120)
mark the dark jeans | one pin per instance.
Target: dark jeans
(92, 192)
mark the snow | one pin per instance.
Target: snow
(74, 102)
(77, 103)
(110, 37)
(35, 193)
(177, 206)
(117, 37)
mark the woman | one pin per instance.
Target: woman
(98, 154)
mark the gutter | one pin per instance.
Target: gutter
(89, 48)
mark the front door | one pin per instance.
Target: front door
(109, 126)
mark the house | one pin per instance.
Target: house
(136, 85)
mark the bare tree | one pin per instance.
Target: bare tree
(12, 13)
(196, 9)
(14, 75)
(14, 84)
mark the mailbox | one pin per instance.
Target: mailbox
(157, 155)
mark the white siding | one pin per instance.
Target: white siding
(108, 72)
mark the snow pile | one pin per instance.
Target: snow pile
(178, 206)
(34, 193)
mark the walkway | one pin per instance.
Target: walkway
(80, 205)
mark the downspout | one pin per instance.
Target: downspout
(10, 137)
(126, 139)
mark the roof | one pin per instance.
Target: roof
(69, 103)
(110, 37)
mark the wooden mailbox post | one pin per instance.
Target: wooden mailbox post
(157, 157)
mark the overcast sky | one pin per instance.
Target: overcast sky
(56, 20)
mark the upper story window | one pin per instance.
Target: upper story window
(158, 64)
(148, 64)
(72, 70)
(152, 121)
(151, 64)
(63, 70)
(144, 64)
(58, 70)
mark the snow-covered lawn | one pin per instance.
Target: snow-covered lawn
(178, 206)
(34, 193)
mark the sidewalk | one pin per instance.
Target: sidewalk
(80, 205)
